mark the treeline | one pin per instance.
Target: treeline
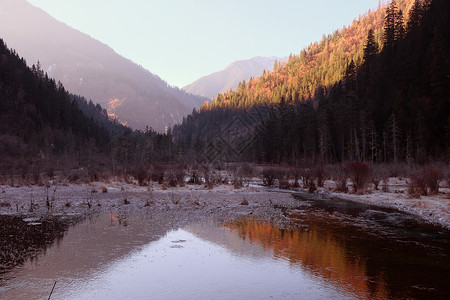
(44, 129)
(40, 112)
(393, 105)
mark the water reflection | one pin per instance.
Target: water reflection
(363, 265)
(329, 255)
(182, 265)
(24, 238)
(316, 251)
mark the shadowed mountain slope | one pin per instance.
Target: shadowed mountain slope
(90, 68)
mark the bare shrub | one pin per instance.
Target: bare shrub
(319, 174)
(296, 176)
(238, 177)
(359, 175)
(281, 176)
(385, 185)
(194, 178)
(312, 186)
(307, 177)
(376, 182)
(246, 170)
(378, 173)
(243, 174)
(399, 170)
(340, 177)
(141, 175)
(425, 182)
(237, 181)
(432, 177)
(209, 185)
(268, 176)
(179, 174)
(417, 186)
(157, 173)
(175, 175)
(244, 202)
(74, 178)
(171, 179)
(104, 189)
(206, 174)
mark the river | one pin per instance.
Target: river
(331, 249)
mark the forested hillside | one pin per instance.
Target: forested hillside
(44, 128)
(87, 67)
(321, 64)
(39, 118)
(375, 91)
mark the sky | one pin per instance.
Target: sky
(183, 40)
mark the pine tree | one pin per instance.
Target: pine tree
(370, 50)
(399, 32)
(389, 26)
(414, 16)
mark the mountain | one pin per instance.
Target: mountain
(40, 120)
(322, 63)
(376, 91)
(229, 78)
(90, 68)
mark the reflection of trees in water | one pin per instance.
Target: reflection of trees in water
(20, 240)
(362, 264)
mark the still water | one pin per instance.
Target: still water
(333, 250)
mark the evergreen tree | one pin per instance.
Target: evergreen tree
(370, 51)
(389, 26)
(414, 16)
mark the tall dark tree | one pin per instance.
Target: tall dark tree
(399, 26)
(389, 26)
(414, 18)
(370, 51)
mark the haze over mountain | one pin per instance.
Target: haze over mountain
(229, 78)
(92, 69)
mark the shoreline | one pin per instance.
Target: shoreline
(256, 200)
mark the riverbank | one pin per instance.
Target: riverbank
(189, 201)
(433, 208)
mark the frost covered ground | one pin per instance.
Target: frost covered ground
(188, 202)
(434, 209)
(222, 200)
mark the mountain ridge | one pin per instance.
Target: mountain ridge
(92, 69)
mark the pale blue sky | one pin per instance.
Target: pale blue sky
(183, 40)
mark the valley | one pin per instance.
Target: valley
(321, 175)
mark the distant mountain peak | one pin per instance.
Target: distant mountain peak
(211, 85)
